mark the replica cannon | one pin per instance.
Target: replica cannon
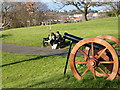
(97, 56)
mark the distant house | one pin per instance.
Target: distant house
(75, 19)
(95, 15)
(72, 17)
(77, 15)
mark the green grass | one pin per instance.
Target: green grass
(32, 36)
(34, 71)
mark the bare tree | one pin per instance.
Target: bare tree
(41, 12)
(19, 14)
(114, 7)
(82, 5)
(6, 7)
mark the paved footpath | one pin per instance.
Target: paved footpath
(31, 50)
(34, 50)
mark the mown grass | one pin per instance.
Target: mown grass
(32, 36)
(35, 71)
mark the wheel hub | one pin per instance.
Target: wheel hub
(92, 62)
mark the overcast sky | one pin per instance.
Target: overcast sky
(51, 5)
(51, 0)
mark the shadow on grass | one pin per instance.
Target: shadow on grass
(69, 81)
(58, 80)
(3, 36)
(112, 84)
(39, 57)
(61, 77)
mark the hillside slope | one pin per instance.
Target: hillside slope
(32, 36)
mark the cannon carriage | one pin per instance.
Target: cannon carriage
(99, 57)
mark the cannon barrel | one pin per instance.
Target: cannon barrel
(72, 37)
(77, 39)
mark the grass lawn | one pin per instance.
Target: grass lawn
(35, 71)
(32, 36)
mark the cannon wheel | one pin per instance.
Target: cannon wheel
(108, 37)
(105, 57)
(117, 43)
(93, 63)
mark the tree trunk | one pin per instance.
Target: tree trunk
(116, 14)
(84, 17)
(85, 14)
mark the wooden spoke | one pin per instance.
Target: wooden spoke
(84, 72)
(80, 62)
(87, 50)
(84, 53)
(103, 71)
(92, 47)
(115, 45)
(94, 75)
(106, 62)
(101, 53)
(92, 69)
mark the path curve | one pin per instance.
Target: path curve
(31, 50)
